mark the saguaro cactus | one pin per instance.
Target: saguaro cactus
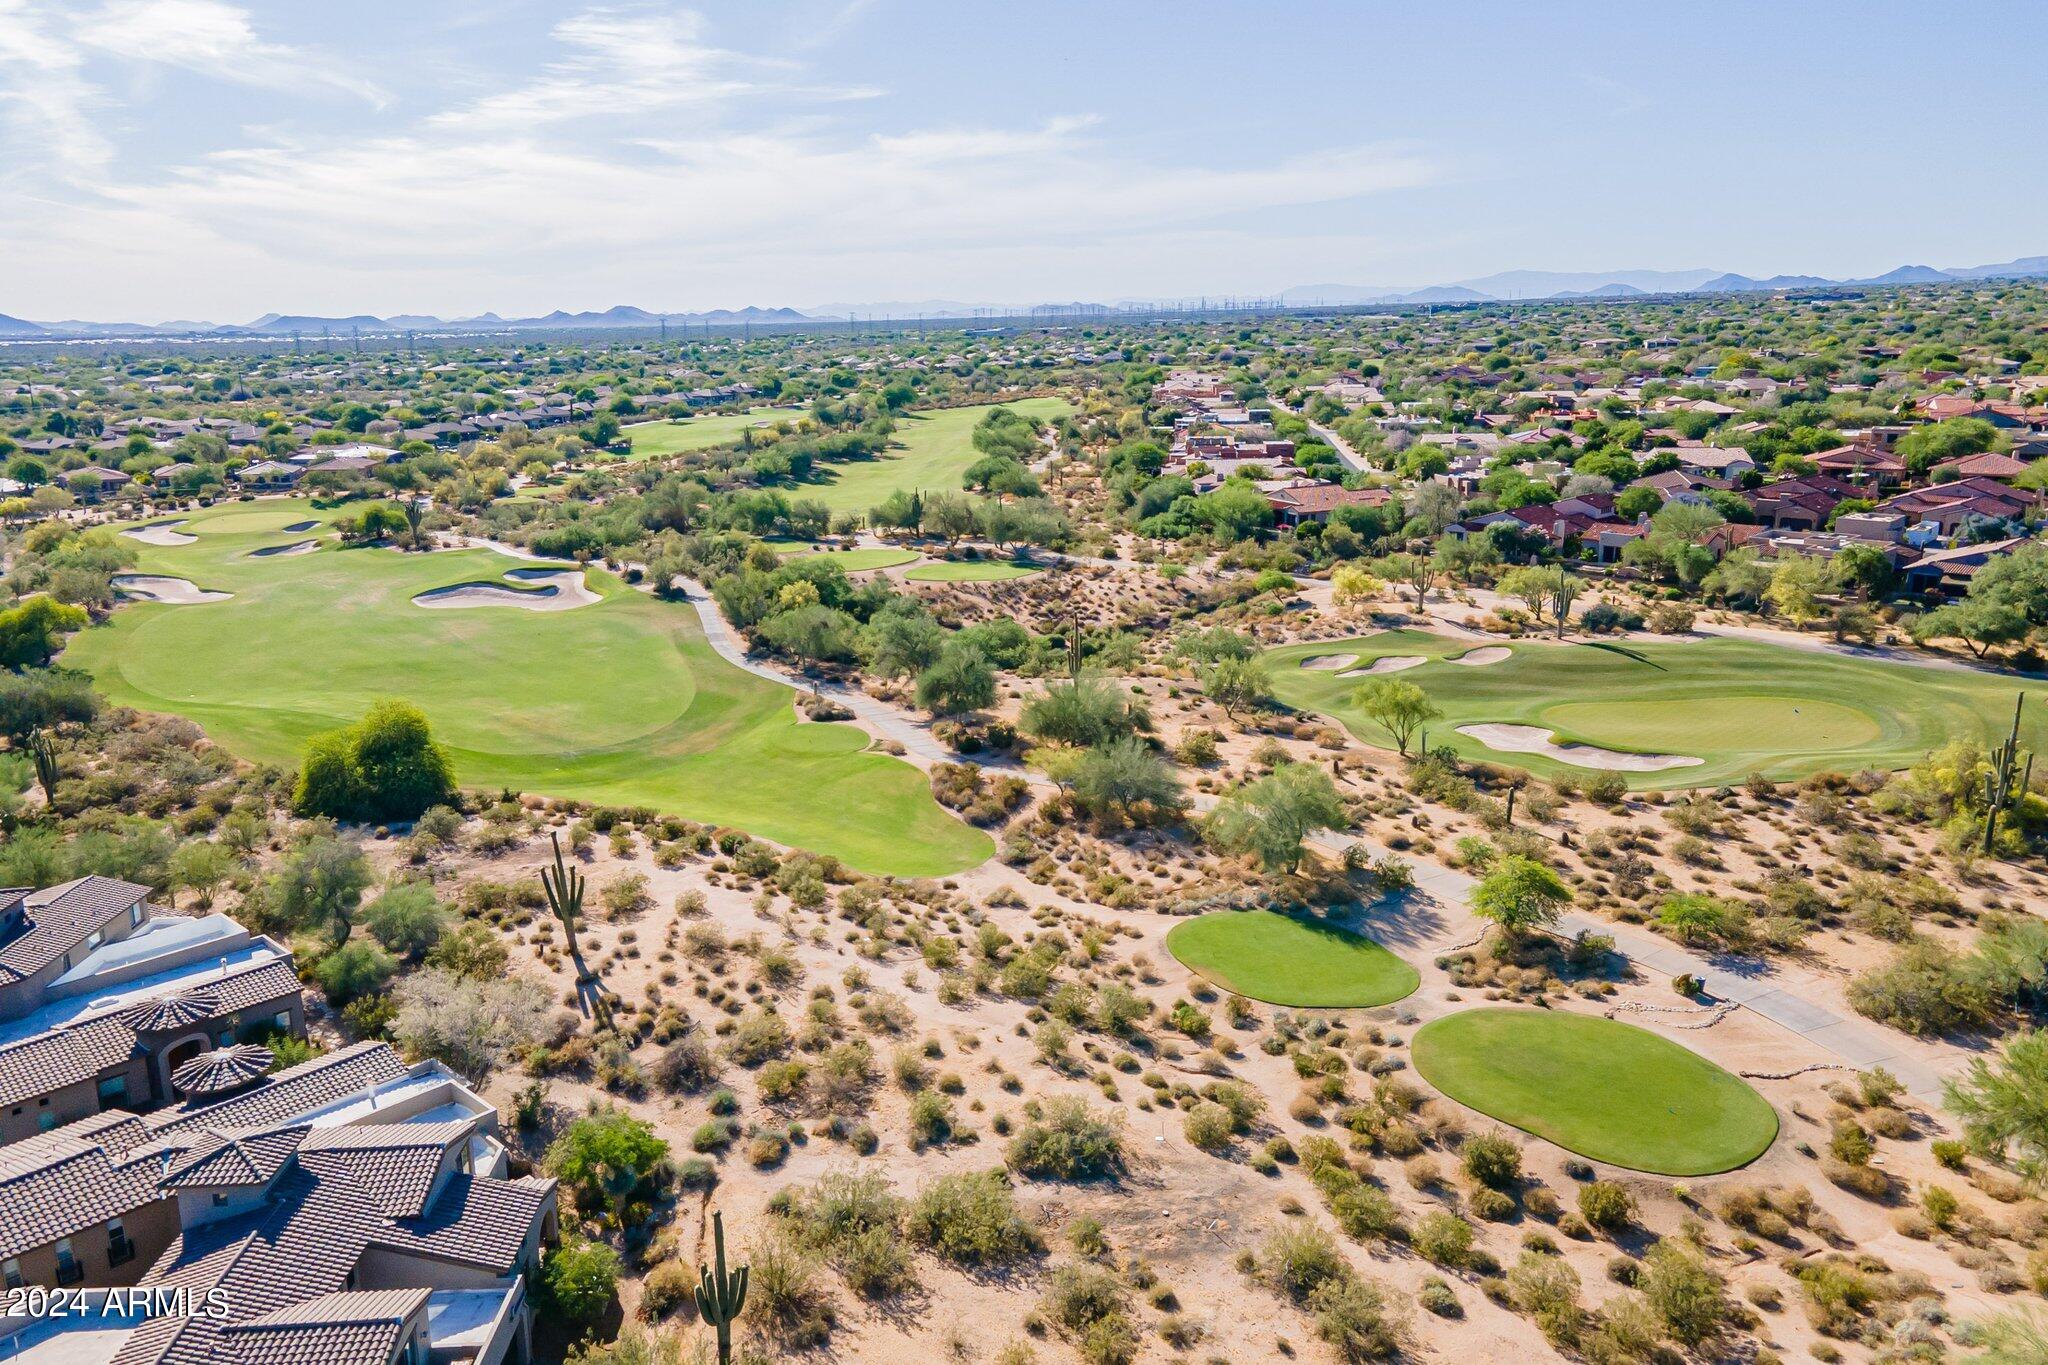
(720, 1295)
(2000, 790)
(44, 755)
(563, 885)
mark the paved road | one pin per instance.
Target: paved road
(1756, 986)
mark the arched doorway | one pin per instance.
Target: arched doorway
(183, 1051)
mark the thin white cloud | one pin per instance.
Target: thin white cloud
(46, 104)
(214, 39)
(635, 163)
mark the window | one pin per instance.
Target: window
(46, 1120)
(135, 914)
(120, 1250)
(113, 1092)
(69, 1271)
(282, 1021)
(226, 1038)
(10, 1272)
(94, 939)
(219, 1200)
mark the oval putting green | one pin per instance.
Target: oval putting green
(970, 571)
(862, 560)
(1606, 1090)
(1287, 961)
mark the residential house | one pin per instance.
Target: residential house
(267, 476)
(1950, 571)
(1989, 464)
(1951, 506)
(1871, 466)
(1730, 463)
(103, 999)
(1312, 500)
(1802, 504)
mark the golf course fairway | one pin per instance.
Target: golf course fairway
(1738, 706)
(620, 700)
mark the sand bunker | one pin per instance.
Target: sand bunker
(1532, 739)
(1393, 663)
(297, 547)
(1324, 662)
(1479, 658)
(299, 526)
(552, 590)
(176, 591)
(160, 533)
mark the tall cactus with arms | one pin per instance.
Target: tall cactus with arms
(721, 1296)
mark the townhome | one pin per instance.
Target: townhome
(95, 1202)
(103, 999)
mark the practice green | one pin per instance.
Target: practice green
(1287, 961)
(970, 571)
(1606, 1090)
(622, 701)
(930, 453)
(653, 440)
(1743, 706)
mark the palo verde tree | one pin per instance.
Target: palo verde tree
(1397, 706)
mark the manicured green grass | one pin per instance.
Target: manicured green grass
(868, 557)
(930, 453)
(1606, 1090)
(622, 701)
(1741, 705)
(971, 571)
(652, 440)
(1287, 961)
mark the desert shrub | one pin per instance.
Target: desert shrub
(784, 1298)
(1547, 1289)
(1685, 1293)
(757, 1036)
(579, 1281)
(1352, 1316)
(1436, 1296)
(971, 1218)
(1208, 1126)
(1090, 1307)
(1492, 1159)
(1296, 1260)
(669, 1286)
(1443, 1238)
(1071, 1142)
(1606, 1205)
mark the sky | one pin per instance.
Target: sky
(214, 160)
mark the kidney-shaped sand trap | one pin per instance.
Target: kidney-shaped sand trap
(176, 591)
(1393, 663)
(160, 533)
(297, 547)
(299, 526)
(1533, 739)
(1479, 658)
(551, 590)
(1323, 663)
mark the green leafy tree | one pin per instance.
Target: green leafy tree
(1127, 778)
(201, 866)
(32, 633)
(355, 970)
(1397, 706)
(1519, 895)
(579, 1282)
(1086, 710)
(960, 681)
(2003, 1103)
(1238, 685)
(1275, 815)
(407, 918)
(605, 1157)
(385, 767)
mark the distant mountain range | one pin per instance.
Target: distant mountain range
(1511, 285)
(284, 324)
(1553, 284)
